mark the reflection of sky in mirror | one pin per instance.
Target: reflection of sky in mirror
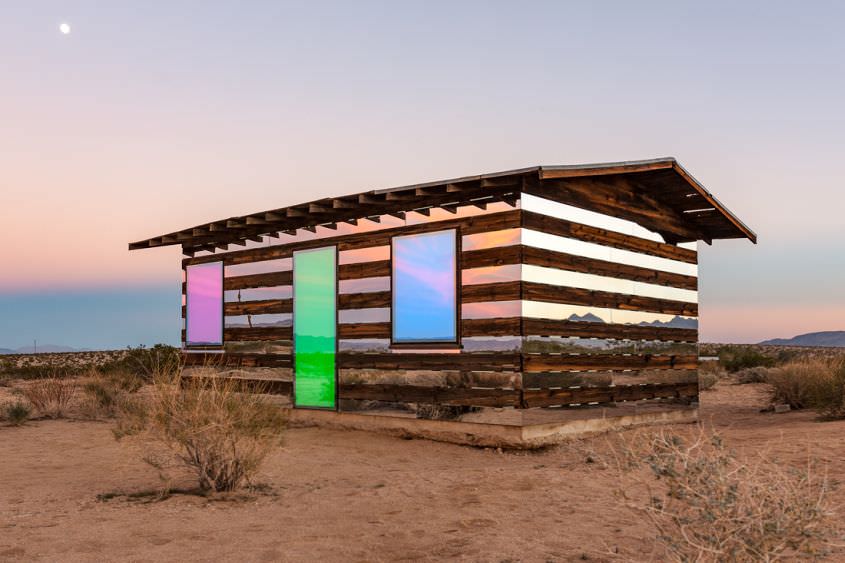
(205, 303)
(424, 287)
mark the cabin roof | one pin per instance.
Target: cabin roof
(660, 186)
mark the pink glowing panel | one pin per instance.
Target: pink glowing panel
(204, 304)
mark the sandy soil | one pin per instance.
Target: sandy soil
(355, 496)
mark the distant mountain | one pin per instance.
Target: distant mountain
(42, 349)
(828, 339)
(585, 318)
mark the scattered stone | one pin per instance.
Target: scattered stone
(782, 408)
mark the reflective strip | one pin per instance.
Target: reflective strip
(553, 276)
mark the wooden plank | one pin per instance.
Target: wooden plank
(557, 327)
(576, 296)
(237, 360)
(545, 380)
(620, 393)
(260, 333)
(603, 170)
(482, 361)
(606, 362)
(468, 225)
(377, 299)
(262, 307)
(490, 327)
(363, 330)
(484, 292)
(488, 257)
(361, 270)
(431, 395)
(248, 385)
(560, 227)
(563, 261)
(272, 279)
(618, 197)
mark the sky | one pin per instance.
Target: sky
(151, 117)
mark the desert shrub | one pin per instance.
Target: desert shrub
(204, 424)
(16, 412)
(105, 393)
(816, 383)
(707, 504)
(50, 396)
(735, 358)
(757, 374)
(146, 362)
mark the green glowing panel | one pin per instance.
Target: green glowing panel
(314, 327)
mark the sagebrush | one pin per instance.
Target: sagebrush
(50, 397)
(707, 504)
(205, 424)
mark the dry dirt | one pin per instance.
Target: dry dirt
(354, 496)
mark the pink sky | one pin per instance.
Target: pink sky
(147, 120)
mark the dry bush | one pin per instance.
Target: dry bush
(757, 374)
(16, 412)
(707, 504)
(104, 394)
(50, 396)
(816, 383)
(204, 424)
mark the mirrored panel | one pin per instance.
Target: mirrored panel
(259, 293)
(263, 267)
(424, 287)
(554, 276)
(494, 239)
(204, 304)
(315, 327)
(370, 254)
(599, 252)
(365, 285)
(492, 274)
(592, 218)
(374, 315)
(491, 310)
(253, 321)
(583, 313)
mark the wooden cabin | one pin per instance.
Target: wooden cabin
(549, 295)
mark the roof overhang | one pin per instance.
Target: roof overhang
(662, 185)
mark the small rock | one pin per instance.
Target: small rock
(782, 408)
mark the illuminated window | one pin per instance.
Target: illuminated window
(204, 304)
(424, 288)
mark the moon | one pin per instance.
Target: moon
(64, 28)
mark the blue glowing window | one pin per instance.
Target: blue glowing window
(425, 287)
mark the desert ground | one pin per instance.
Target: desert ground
(69, 494)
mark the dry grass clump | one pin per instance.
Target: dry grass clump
(707, 504)
(816, 383)
(205, 425)
(105, 394)
(756, 374)
(51, 396)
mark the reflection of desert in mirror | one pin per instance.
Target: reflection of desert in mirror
(473, 281)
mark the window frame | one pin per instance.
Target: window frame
(452, 344)
(206, 345)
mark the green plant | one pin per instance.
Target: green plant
(206, 424)
(50, 396)
(735, 358)
(708, 504)
(16, 412)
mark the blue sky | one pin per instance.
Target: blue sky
(149, 117)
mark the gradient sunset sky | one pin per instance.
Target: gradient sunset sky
(154, 116)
